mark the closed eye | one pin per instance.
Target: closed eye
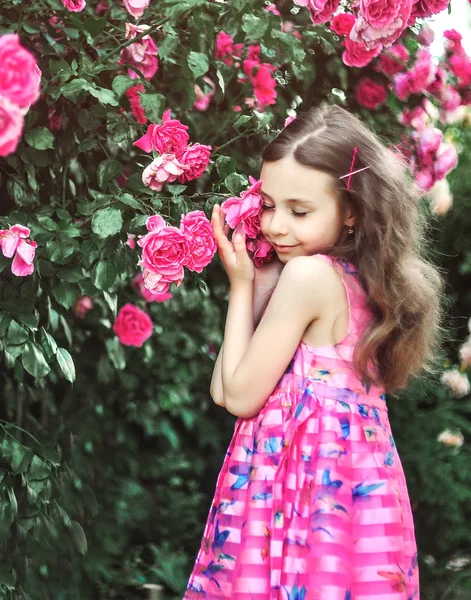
(293, 212)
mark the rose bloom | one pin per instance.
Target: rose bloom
(262, 250)
(163, 169)
(370, 94)
(429, 142)
(164, 252)
(456, 382)
(356, 55)
(321, 11)
(424, 179)
(461, 68)
(272, 8)
(11, 126)
(202, 100)
(196, 159)
(132, 326)
(200, 237)
(450, 438)
(74, 5)
(393, 60)
(450, 98)
(82, 306)
(342, 23)
(20, 77)
(264, 86)
(156, 283)
(169, 137)
(148, 295)
(142, 54)
(245, 208)
(440, 198)
(225, 48)
(381, 22)
(15, 242)
(414, 117)
(426, 35)
(136, 8)
(446, 161)
(465, 351)
(426, 8)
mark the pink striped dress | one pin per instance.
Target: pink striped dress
(311, 502)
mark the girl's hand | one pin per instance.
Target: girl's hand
(233, 254)
(266, 279)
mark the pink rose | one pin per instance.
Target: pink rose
(132, 326)
(438, 84)
(136, 8)
(445, 162)
(20, 77)
(370, 94)
(429, 142)
(426, 8)
(202, 100)
(262, 250)
(393, 60)
(414, 117)
(170, 137)
(156, 283)
(82, 306)
(424, 179)
(15, 242)
(142, 54)
(164, 252)
(200, 237)
(461, 68)
(163, 169)
(101, 8)
(225, 48)
(342, 23)
(264, 85)
(134, 97)
(131, 241)
(440, 198)
(450, 98)
(381, 22)
(11, 126)
(356, 55)
(453, 41)
(245, 210)
(272, 8)
(148, 295)
(418, 78)
(74, 5)
(321, 11)
(196, 159)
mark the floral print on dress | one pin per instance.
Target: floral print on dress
(311, 502)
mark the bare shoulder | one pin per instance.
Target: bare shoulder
(317, 275)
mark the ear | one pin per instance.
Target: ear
(349, 218)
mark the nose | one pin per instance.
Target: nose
(277, 225)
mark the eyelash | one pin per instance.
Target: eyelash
(296, 214)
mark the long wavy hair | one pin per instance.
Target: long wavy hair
(387, 247)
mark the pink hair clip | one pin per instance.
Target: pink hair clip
(352, 172)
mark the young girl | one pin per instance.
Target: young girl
(311, 502)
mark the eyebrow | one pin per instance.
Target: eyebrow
(290, 200)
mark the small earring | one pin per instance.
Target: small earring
(350, 231)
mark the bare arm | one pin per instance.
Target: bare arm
(266, 278)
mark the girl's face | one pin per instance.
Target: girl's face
(300, 210)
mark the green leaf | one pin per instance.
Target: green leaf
(74, 86)
(17, 334)
(107, 221)
(39, 469)
(7, 577)
(78, 537)
(48, 343)
(21, 459)
(94, 26)
(225, 165)
(108, 170)
(130, 201)
(33, 360)
(40, 138)
(121, 84)
(66, 364)
(254, 27)
(103, 95)
(104, 274)
(153, 105)
(65, 294)
(198, 63)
